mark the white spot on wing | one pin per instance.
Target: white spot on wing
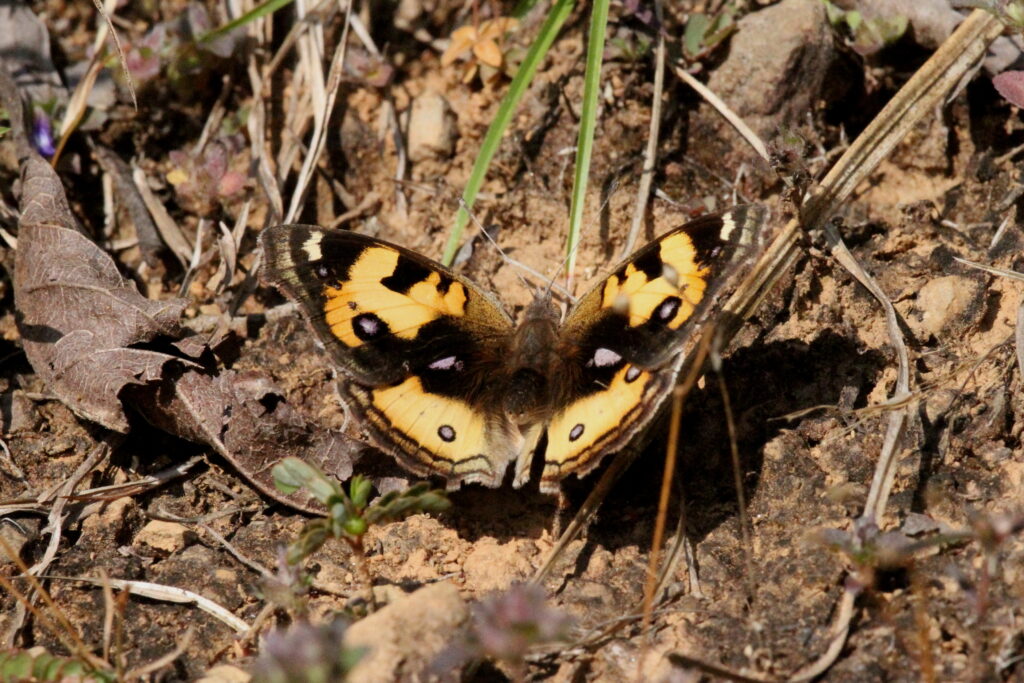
(312, 247)
(605, 357)
(447, 363)
(728, 226)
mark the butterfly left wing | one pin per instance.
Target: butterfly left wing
(622, 342)
(417, 346)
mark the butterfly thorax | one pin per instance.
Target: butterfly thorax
(532, 360)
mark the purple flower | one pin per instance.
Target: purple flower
(42, 134)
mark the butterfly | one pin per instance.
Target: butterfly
(445, 381)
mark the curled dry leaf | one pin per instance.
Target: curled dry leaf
(78, 317)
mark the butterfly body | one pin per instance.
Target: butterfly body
(442, 378)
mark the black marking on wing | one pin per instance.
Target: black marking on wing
(406, 274)
(648, 262)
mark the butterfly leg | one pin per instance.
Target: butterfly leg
(525, 458)
(561, 513)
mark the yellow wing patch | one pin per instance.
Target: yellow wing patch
(580, 431)
(448, 428)
(639, 295)
(403, 312)
(434, 434)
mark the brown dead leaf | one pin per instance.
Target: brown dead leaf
(245, 418)
(78, 317)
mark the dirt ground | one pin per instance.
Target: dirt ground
(803, 376)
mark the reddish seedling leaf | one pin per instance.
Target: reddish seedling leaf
(1010, 84)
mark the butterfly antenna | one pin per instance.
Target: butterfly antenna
(612, 187)
(508, 259)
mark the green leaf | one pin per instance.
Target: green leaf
(309, 541)
(359, 490)
(356, 526)
(400, 504)
(1015, 13)
(835, 14)
(291, 474)
(693, 36)
(261, 10)
(596, 36)
(338, 512)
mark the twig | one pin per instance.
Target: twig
(157, 591)
(60, 498)
(679, 393)
(169, 231)
(166, 660)
(325, 95)
(885, 469)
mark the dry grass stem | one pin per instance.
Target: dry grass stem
(643, 191)
(745, 131)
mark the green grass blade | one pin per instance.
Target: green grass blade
(492, 140)
(261, 10)
(588, 123)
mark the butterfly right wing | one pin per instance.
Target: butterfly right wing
(623, 340)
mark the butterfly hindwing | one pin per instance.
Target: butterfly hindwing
(431, 433)
(623, 340)
(415, 344)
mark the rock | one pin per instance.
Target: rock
(942, 304)
(109, 522)
(163, 536)
(432, 129)
(14, 542)
(19, 413)
(491, 566)
(778, 61)
(225, 673)
(404, 638)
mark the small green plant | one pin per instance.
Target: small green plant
(868, 35)
(1011, 12)
(870, 551)
(37, 664)
(706, 32)
(349, 513)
